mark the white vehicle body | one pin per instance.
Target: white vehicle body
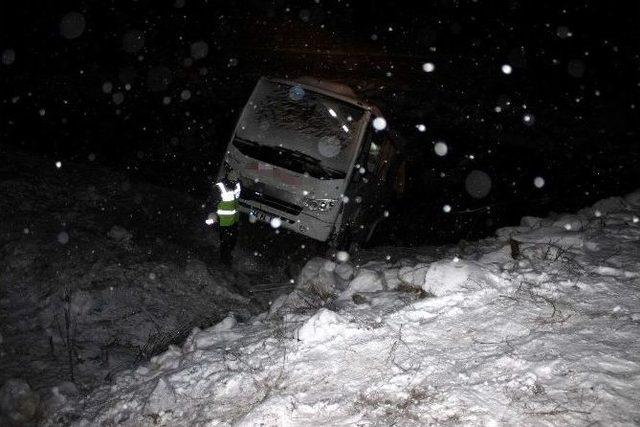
(295, 148)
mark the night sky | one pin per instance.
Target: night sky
(154, 88)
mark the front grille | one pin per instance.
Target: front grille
(273, 202)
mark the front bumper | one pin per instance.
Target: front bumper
(303, 223)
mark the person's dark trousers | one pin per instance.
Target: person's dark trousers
(228, 238)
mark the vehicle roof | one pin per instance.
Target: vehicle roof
(333, 89)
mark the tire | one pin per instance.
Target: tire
(344, 241)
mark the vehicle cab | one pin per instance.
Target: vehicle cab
(306, 153)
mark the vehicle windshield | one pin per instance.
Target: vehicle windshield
(308, 132)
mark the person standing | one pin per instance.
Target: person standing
(227, 192)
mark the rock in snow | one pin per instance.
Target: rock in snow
(18, 403)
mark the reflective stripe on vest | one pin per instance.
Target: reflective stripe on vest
(226, 212)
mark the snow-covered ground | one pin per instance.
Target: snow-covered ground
(98, 272)
(538, 326)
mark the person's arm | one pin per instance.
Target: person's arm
(211, 206)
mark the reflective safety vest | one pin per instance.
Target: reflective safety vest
(227, 212)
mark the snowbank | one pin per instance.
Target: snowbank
(547, 336)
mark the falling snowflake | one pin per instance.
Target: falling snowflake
(58, 164)
(428, 67)
(276, 222)
(72, 25)
(107, 87)
(478, 184)
(199, 49)
(421, 127)
(63, 237)
(379, 123)
(342, 256)
(538, 182)
(446, 208)
(8, 56)
(118, 98)
(506, 69)
(441, 148)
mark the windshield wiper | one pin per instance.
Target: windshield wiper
(246, 142)
(313, 162)
(298, 161)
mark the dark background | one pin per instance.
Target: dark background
(575, 70)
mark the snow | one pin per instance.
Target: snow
(379, 123)
(275, 222)
(72, 25)
(107, 87)
(428, 67)
(549, 338)
(199, 49)
(478, 184)
(8, 56)
(538, 182)
(441, 148)
(321, 327)
(342, 256)
(63, 237)
(527, 119)
(507, 69)
(81, 256)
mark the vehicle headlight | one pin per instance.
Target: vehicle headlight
(319, 205)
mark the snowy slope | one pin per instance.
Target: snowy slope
(474, 337)
(122, 261)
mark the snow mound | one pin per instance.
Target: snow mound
(365, 281)
(209, 337)
(445, 277)
(633, 199)
(548, 337)
(551, 236)
(319, 282)
(322, 326)
(319, 275)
